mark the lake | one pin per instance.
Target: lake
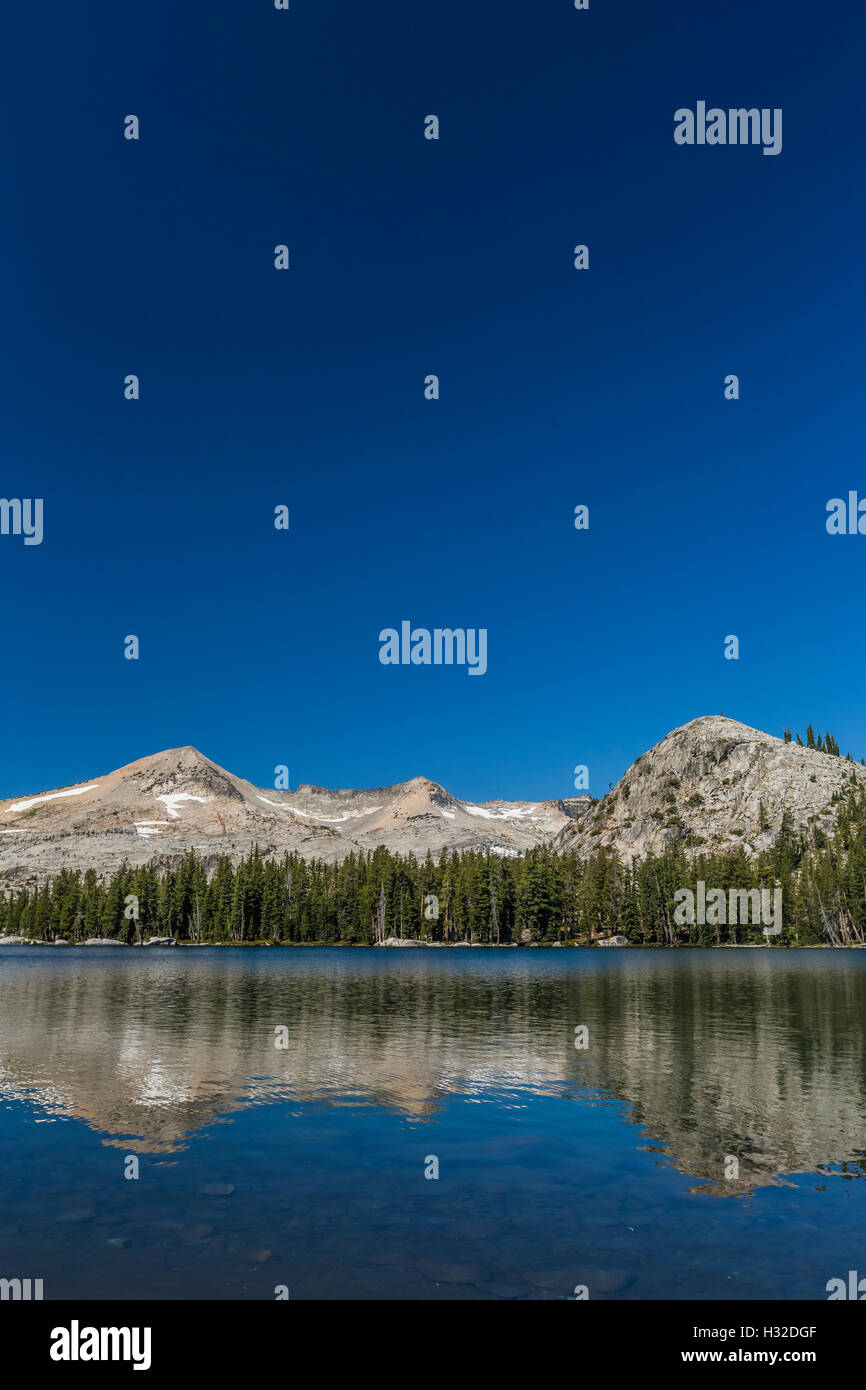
(707, 1141)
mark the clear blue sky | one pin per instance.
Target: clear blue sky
(409, 257)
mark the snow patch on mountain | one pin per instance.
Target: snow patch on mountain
(173, 799)
(49, 796)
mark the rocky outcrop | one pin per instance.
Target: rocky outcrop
(717, 784)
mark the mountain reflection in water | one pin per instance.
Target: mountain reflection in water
(757, 1054)
(693, 1056)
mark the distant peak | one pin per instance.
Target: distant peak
(185, 761)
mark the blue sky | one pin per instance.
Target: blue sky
(306, 387)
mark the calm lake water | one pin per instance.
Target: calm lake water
(557, 1166)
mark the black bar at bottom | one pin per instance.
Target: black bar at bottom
(223, 1338)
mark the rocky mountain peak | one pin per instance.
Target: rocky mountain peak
(716, 783)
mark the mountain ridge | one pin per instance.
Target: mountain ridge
(165, 804)
(713, 782)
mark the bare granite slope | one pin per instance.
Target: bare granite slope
(714, 783)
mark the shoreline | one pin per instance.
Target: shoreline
(439, 945)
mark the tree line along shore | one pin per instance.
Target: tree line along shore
(472, 897)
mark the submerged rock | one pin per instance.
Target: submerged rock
(607, 1280)
(200, 1232)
